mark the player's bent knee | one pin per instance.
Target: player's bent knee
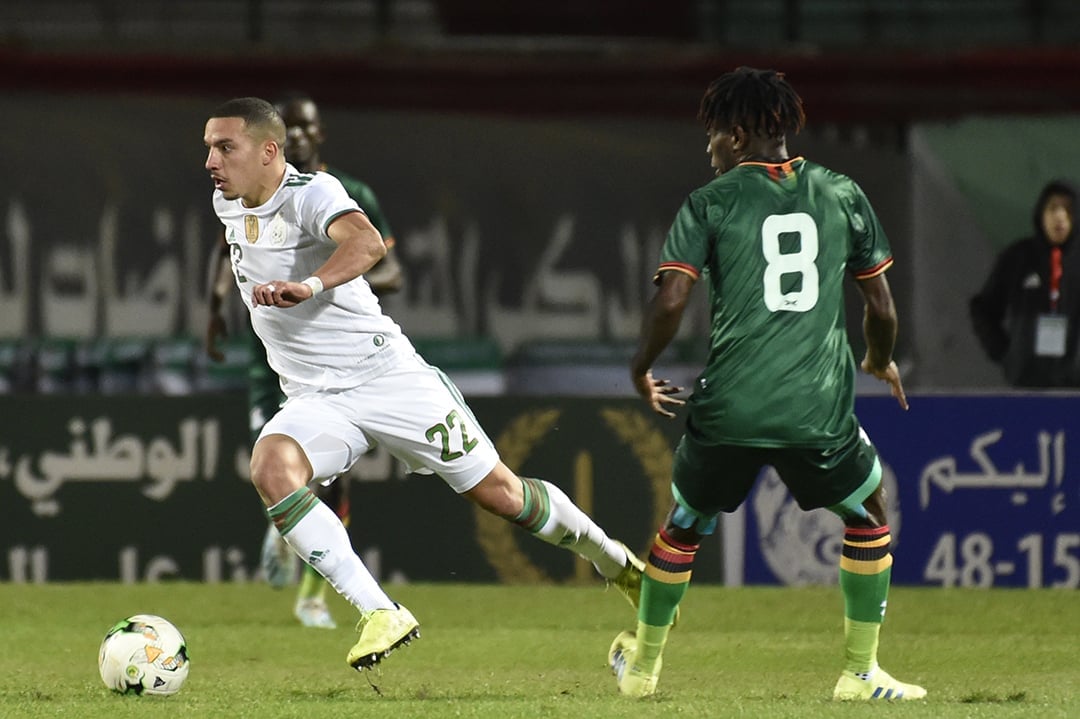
(278, 467)
(499, 492)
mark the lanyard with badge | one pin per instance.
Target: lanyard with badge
(1051, 328)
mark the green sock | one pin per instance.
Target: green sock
(666, 579)
(860, 645)
(659, 600)
(865, 572)
(312, 584)
(650, 645)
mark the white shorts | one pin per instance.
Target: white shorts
(413, 410)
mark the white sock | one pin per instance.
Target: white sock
(567, 526)
(322, 541)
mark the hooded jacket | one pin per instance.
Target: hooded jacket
(1005, 312)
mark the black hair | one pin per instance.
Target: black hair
(257, 114)
(1057, 186)
(759, 101)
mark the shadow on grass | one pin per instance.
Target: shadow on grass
(987, 698)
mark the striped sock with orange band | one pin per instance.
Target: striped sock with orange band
(865, 573)
(667, 576)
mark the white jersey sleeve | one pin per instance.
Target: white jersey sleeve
(324, 201)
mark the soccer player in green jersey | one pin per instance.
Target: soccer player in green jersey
(303, 139)
(774, 237)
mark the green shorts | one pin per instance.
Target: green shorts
(712, 478)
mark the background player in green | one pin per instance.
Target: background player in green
(774, 236)
(304, 137)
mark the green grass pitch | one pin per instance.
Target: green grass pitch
(540, 651)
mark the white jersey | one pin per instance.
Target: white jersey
(338, 339)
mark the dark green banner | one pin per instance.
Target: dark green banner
(154, 488)
(130, 488)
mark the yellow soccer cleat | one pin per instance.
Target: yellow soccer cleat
(381, 632)
(880, 686)
(632, 681)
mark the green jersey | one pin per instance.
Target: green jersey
(775, 242)
(365, 197)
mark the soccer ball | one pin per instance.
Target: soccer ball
(144, 654)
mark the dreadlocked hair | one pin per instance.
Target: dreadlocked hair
(760, 101)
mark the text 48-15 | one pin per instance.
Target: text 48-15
(973, 561)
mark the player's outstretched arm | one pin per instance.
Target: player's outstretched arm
(658, 327)
(879, 330)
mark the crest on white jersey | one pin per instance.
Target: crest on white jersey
(279, 230)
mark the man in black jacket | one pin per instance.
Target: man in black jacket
(1027, 314)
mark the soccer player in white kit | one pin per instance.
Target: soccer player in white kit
(299, 247)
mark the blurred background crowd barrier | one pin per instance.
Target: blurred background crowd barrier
(530, 157)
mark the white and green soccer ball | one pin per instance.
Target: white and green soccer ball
(144, 654)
